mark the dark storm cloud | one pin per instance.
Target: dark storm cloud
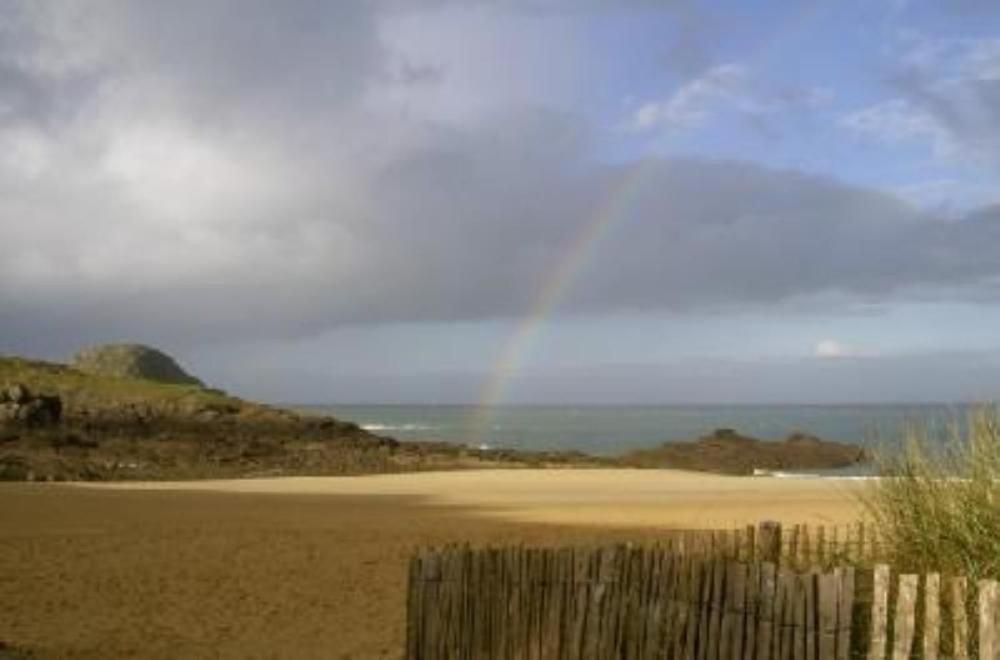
(227, 169)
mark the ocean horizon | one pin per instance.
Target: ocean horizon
(605, 430)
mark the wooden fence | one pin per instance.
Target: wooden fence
(622, 602)
(694, 596)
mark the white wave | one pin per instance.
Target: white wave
(778, 474)
(376, 426)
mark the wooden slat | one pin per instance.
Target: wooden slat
(845, 611)
(769, 542)
(693, 610)
(805, 548)
(932, 616)
(799, 621)
(657, 612)
(793, 547)
(786, 637)
(766, 610)
(700, 636)
(736, 588)
(880, 612)
(960, 623)
(751, 608)
(829, 593)
(715, 609)
(812, 615)
(905, 619)
(989, 619)
(821, 546)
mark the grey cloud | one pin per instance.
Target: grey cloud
(207, 214)
(904, 378)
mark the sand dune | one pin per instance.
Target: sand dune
(620, 497)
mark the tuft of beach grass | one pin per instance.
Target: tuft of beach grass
(937, 505)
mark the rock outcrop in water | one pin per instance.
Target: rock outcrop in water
(132, 361)
(726, 451)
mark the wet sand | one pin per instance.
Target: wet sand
(302, 568)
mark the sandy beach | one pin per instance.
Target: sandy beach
(315, 567)
(604, 498)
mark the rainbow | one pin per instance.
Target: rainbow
(584, 244)
(556, 284)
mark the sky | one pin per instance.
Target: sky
(533, 201)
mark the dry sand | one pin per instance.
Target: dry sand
(315, 567)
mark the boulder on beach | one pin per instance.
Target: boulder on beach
(132, 361)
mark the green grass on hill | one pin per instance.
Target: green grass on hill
(78, 388)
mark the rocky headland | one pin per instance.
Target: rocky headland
(130, 412)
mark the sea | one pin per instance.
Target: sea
(610, 430)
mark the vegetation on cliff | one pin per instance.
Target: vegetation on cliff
(133, 361)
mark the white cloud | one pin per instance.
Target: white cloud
(725, 87)
(898, 120)
(947, 92)
(831, 349)
(691, 104)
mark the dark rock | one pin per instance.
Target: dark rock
(14, 468)
(728, 452)
(14, 393)
(18, 406)
(74, 440)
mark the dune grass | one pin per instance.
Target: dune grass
(938, 507)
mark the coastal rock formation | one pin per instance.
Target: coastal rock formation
(132, 361)
(128, 428)
(726, 451)
(19, 406)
